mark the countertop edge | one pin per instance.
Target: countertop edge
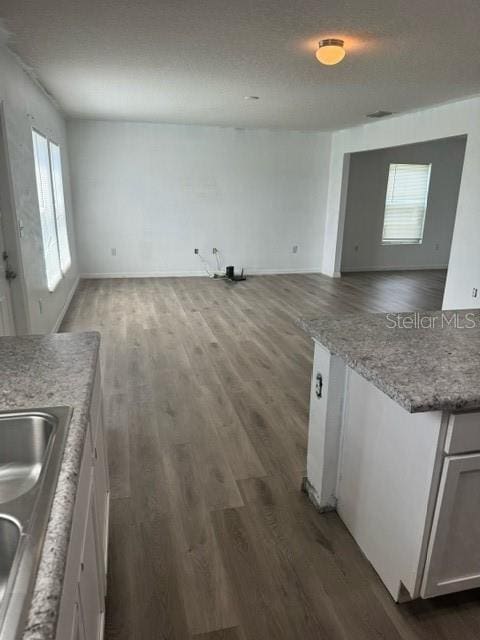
(42, 617)
(406, 402)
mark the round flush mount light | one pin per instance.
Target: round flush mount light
(330, 51)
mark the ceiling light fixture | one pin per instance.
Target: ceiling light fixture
(330, 51)
(379, 114)
(252, 97)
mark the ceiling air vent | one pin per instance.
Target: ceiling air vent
(379, 114)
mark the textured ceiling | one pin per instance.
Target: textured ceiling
(193, 61)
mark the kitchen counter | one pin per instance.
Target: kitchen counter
(43, 371)
(424, 361)
(394, 443)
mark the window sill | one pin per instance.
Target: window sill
(64, 274)
(400, 243)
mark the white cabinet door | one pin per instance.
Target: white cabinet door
(102, 495)
(82, 608)
(91, 598)
(453, 559)
(77, 624)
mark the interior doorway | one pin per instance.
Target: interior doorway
(401, 205)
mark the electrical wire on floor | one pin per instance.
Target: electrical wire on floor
(215, 275)
(217, 257)
(206, 266)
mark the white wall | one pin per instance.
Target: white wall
(155, 192)
(452, 119)
(26, 106)
(365, 207)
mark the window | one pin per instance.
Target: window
(48, 171)
(406, 203)
(59, 202)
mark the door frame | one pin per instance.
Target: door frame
(11, 233)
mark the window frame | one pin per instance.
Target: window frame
(63, 269)
(41, 202)
(406, 241)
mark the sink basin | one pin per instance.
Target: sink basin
(9, 541)
(24, 442)
(31, 452)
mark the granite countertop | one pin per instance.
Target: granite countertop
(425, 361)
(47, 371)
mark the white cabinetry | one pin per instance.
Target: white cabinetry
(326, 403)
(91, 591)
(82, 606)
(390, 466)
(77, 632)
(407, 485)
(453, 561)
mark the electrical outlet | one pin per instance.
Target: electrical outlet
(474, 292)
(195, 251)
(295, 248)
(113, 251)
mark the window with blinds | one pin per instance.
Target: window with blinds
(406, 203)
(51, 203)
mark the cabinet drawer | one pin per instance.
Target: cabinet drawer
(463, 433)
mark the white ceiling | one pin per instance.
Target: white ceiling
(193, 61)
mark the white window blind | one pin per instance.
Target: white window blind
(47, 211)
(59, 202)
(406, 203)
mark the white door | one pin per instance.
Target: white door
(453, 560)
(7, 327)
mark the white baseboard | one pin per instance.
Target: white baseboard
(141, 274)
(63, 311)
(273, 272)
(397, 268)
(190, 274)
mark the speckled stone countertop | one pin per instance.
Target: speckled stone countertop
(425, 361)
(47, 371)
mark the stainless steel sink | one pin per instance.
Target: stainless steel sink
(9, 542)
(31, 450)
(24, 442)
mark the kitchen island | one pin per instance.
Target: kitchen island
(394, 443)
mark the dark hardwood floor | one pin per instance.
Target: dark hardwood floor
(206, 405)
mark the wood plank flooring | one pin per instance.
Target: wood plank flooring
(206, 404)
